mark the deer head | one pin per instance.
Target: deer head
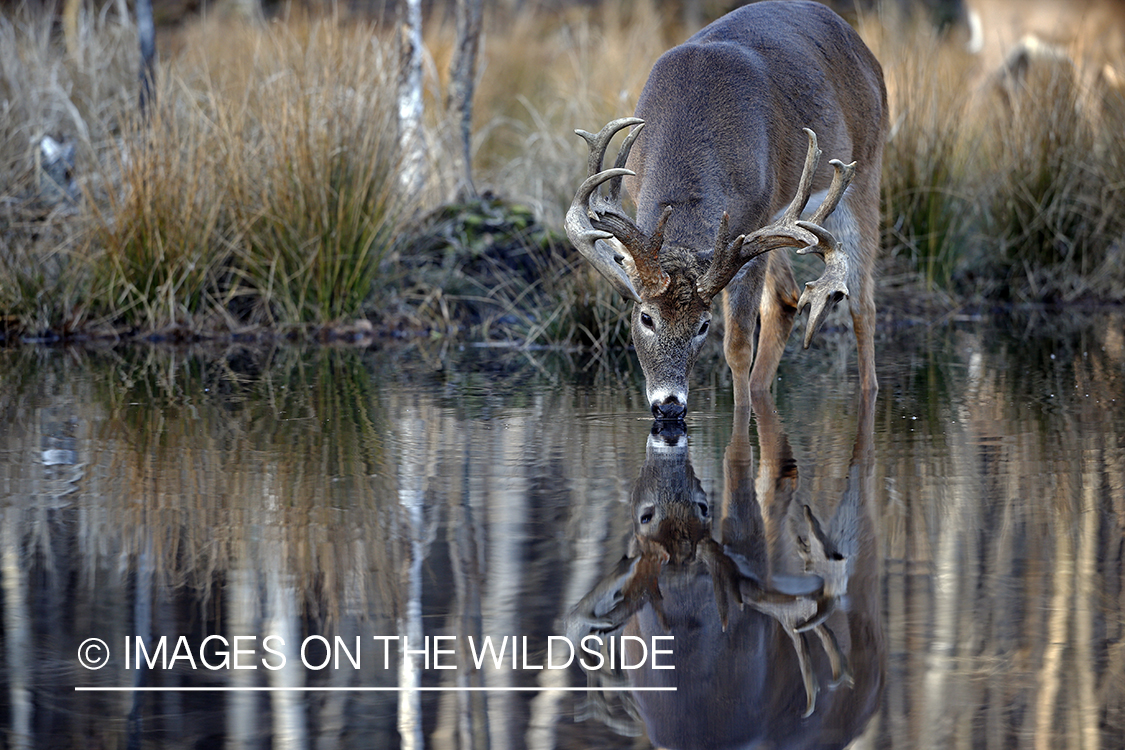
(673, 287)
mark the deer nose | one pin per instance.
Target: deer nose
(669, 408)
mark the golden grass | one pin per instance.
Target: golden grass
(263, 191)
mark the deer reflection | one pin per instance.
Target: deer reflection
(773, 606)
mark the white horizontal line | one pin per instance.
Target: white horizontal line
(81, 689)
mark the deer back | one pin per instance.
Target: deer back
(736, 144)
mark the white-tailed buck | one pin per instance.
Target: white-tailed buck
(723, 153)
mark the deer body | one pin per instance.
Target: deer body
(723, 115)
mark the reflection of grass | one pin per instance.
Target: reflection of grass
(263, 190)
(230, 457)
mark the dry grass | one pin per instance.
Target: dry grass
(1002, 179)
(263, 189)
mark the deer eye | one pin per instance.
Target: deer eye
(703, 328)
(703, 510)
(646, 321)
(647, 516)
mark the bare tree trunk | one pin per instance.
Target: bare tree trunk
(462, 84)
(410, 138)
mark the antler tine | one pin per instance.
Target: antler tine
(646, 259)
(823, 294)
(591, 219)
(599, 141)
(725, 261)
(586, 190)
(725, 578)
(804, 188)
(840, 181)
(599, 144)
(623, 156)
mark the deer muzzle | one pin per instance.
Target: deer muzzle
(671, 407)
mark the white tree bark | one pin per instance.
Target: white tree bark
(411, 141)
(462, 84)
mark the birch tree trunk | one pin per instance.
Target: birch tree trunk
(462, 84)
(411, 143)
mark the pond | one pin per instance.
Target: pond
(426, 546)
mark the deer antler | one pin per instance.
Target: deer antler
(591, 219)
(725, 577)
(787, 231)
(831, 287)
(617, 597)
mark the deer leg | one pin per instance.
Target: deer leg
(865, 249)
(863, 324)
(741, 300)
(776, 310)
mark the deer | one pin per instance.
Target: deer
(714, 152)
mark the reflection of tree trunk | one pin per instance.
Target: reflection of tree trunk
(953, 558)
(471, 708)
(1062, 572)
(142, 629)
(242, 618)
(410, 628)
(418, 435)
(282, 619)
(17, 636)
(286, 705)
(1085, 615)
(506, 493)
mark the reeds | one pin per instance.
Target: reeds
(1001, 181)
(262, 190)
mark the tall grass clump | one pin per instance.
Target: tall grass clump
(161, 244)
(928, 185)
(324, 178)
(74, 96)
(1055, 200)
(264, 189)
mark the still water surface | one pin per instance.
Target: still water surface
(942, 567)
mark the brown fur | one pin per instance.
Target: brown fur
(724, 113)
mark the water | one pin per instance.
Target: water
(957, 580)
